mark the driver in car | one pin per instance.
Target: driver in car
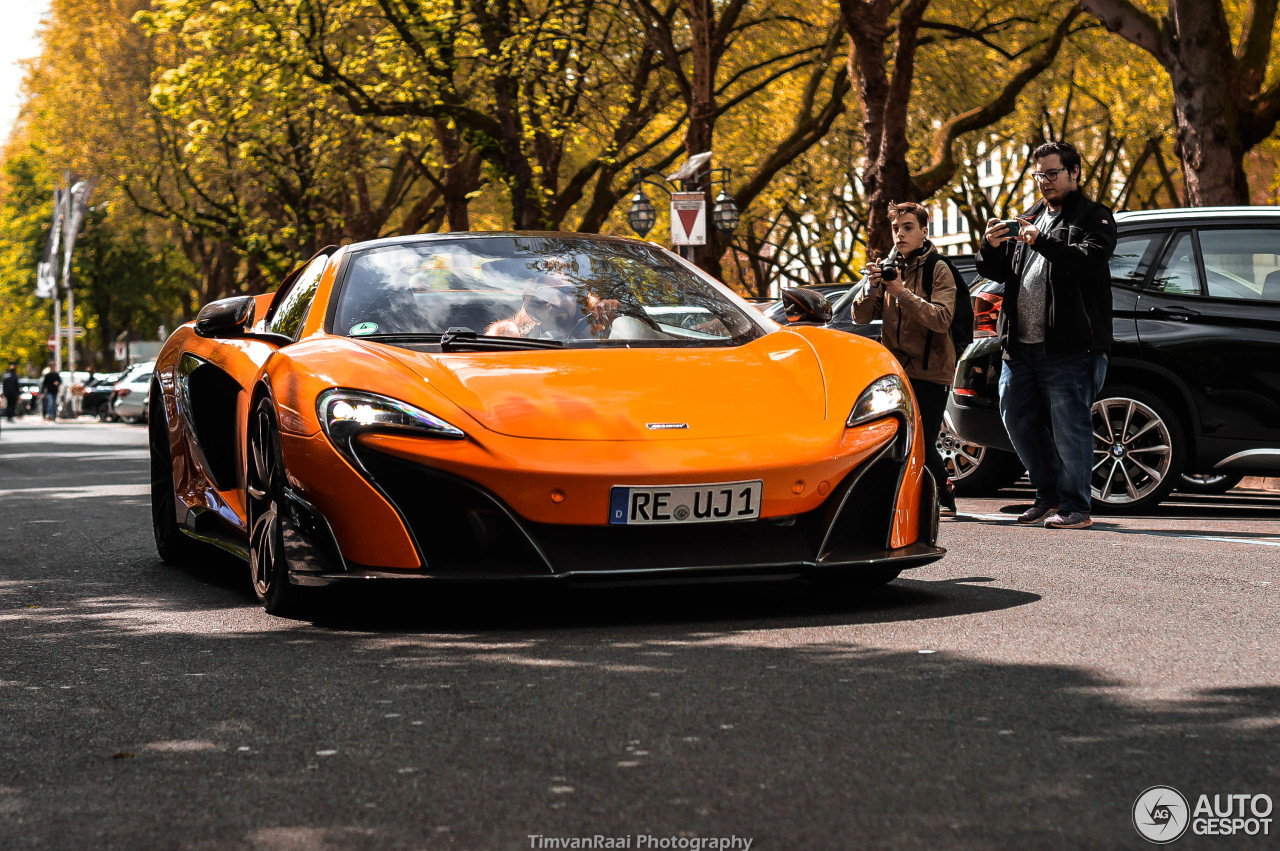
(555, 310)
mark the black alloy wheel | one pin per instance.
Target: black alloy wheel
(1208, 483)
(173, 546)
(265, 499)
(1138, 451)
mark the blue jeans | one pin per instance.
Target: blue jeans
(1046, 403)
(50, 405)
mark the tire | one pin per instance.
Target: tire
(977, 470)
(1208, 483)
(103, 413)
(264, 499)
(1138, 476)
(173, 546)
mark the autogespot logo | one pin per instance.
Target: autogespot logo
(1161, 815)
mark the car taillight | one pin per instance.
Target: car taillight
(986, 310)
(122, 392)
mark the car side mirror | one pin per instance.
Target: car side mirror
(806, 306)
(227, 317)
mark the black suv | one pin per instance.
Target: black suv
(1193, 386)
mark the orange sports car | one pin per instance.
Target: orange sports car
(529, 406)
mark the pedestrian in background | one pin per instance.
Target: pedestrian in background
(49, 386)
(1055, 330)
(916, 327)
(11, 391)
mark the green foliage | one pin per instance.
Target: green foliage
(25, 321)
(122, 281)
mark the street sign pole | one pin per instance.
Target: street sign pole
(57, 331)
(71, 322)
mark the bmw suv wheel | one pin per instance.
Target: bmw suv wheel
(1138, 451)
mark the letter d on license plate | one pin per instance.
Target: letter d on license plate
(651, 504)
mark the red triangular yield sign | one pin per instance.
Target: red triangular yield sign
(688, 218)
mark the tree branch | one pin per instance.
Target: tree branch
(939, 172)
(1134, 25)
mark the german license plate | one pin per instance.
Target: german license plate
(654, 504)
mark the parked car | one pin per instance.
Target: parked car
(97, 395)
(1192, 395)
(28, 395)
(128, 399)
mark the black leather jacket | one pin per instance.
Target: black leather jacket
(1078, 298)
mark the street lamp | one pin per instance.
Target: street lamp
(724, 214)
(641, 216)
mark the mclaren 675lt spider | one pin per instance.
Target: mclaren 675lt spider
(475, 407)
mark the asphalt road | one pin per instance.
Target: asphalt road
(1021, 693)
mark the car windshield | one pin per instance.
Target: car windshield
(558, 290)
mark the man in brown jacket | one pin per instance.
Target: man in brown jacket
(917, 327)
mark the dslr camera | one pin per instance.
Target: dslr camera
(889, 269)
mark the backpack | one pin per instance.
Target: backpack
(962, 315)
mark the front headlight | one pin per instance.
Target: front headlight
(888, 396)
(347, 413)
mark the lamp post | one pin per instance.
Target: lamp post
(688, 202)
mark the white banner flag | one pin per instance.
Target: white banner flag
(47, 271)
(77, 207)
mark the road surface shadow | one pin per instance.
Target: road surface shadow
(1229, 506)
(343, 740)
(748, 605)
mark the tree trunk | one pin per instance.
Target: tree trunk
(703, 112)
(1208, 125)
(884, 101)
(1219, 106)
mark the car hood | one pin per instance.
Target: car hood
(772, 385)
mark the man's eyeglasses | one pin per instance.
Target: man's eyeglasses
(1047, 176)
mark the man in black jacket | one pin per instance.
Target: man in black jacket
(1055, 329)
(11, 390)
(50, 386)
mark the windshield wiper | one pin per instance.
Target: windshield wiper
(467, 340)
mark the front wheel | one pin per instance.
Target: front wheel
(264, 496)
(1138, 451)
